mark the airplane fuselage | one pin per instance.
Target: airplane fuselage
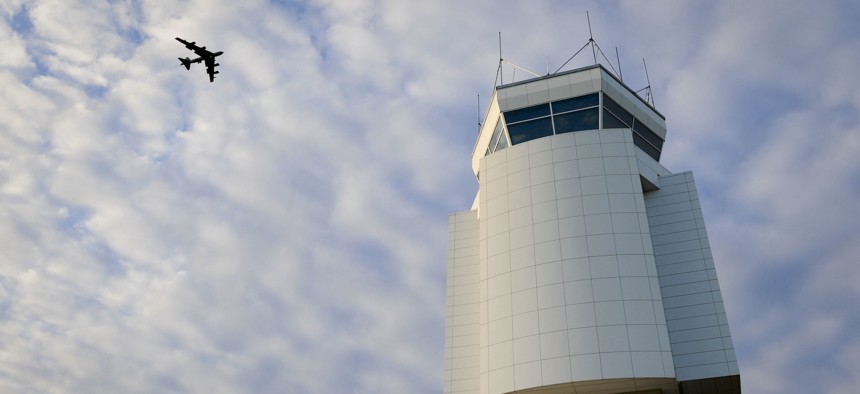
(205, 56)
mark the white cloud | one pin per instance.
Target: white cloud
(14, 49)
(283, 228)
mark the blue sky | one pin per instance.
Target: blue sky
(284, 228)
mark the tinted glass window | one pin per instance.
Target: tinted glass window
(574, 103)
(646, 147)
(527, 131)
(503, 142)
(495, 137)
(616, 110)
(648, 135)
(527, 113)
(576, 121)
(611, 122)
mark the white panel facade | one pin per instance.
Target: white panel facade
(462, 316)
(569, 288)
(701, 342)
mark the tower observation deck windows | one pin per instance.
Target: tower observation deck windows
(530, 130)
(572, 104)
(498, 140)
(543, 120)
(645, 146)
(620, 113)
(615, 117)
(611, 122)
(586, 119)
(494, 140)
(571, 115)
(648, 135)
(527, 113)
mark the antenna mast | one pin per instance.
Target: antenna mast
(478, 113)
(649, 93)
(500, 72)
(501, 59)
(571, 58)
(595, 48)
(648, 79)
(591, 37)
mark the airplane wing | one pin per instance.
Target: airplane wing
(200, 51)
(210, 68)
(189, 45)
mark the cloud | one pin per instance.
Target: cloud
(16, 53)
(283, 229)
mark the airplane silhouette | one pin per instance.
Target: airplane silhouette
(204, 56)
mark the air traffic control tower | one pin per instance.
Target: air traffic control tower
(583, 265)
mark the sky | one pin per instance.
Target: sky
(284, 229)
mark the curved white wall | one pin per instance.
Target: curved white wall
(568, 281)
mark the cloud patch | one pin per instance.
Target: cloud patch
(283, 229)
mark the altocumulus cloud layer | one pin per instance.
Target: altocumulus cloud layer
(284, 228)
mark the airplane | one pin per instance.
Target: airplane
(204, 56)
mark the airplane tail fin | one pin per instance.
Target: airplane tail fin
(185, 62)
